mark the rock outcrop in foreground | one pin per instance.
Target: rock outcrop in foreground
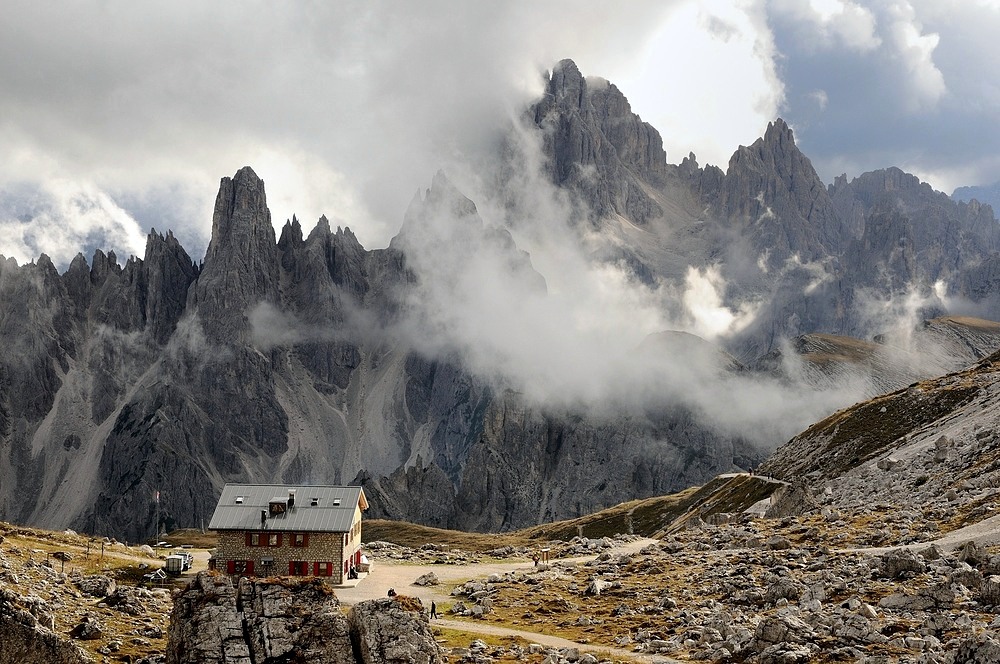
(26, 634)
(283, 620)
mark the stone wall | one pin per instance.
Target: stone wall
(318, 548)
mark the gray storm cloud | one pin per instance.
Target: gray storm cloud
(346, 108)
(912, 83)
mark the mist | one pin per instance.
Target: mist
(346, 109)
(507, 282)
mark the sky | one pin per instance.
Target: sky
(118, 117)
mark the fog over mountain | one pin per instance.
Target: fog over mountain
(126, 112)
(574, 323)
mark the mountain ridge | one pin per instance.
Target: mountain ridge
(310, 359)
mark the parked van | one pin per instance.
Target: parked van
(176, 564)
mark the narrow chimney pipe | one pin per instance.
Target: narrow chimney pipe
(291, 498)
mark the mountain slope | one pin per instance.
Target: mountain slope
(310, 359)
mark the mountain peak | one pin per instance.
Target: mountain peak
(246, 175)
(778, 132)
(773, 190)
(567, 83)
(591, 126)
(241, 264)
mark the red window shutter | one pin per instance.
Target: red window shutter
(249, 568)
(305, 539)
(315, 569)
(248, 539)
(291, 568)
(279, 540)
(231, 566)
(329, 569)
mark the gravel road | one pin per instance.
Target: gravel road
(400, 575)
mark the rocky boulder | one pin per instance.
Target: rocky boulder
(393, 630)
(95, 585)
(977, 650)
(899, 561)
(429, 579)
(299, 622)
(286, 620)
(205, 625)
(24, 639)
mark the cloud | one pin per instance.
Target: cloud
(822, 25)
(118, 117)
(706, 78)
(342, 108)
(62, 218)
(918, 96)
(590, 337)
(821, 98)
(915, 50)
(346, 108)
(703, 299)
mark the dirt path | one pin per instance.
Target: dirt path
(984, 533)
(550, 641)
(387, 574)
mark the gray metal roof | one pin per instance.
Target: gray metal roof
(240, 506)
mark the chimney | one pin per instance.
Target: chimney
(291, 498)
(263, 518)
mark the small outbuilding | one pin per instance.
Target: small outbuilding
(273, 530)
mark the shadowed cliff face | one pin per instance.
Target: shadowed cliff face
(597, 147)
(420, 370)
(303, 361)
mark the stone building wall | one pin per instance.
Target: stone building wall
(319, 548)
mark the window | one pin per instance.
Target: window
(298, 568)
(300, 539)
(238, 567)
(324, 569)
(263, 539)
(240, 499)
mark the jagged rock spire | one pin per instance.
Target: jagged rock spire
(241, 265)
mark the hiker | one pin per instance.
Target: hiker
(392, 592)
(434, 611)
(535, 558)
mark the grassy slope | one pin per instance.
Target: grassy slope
(646, 517)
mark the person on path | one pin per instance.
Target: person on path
(434, 611)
